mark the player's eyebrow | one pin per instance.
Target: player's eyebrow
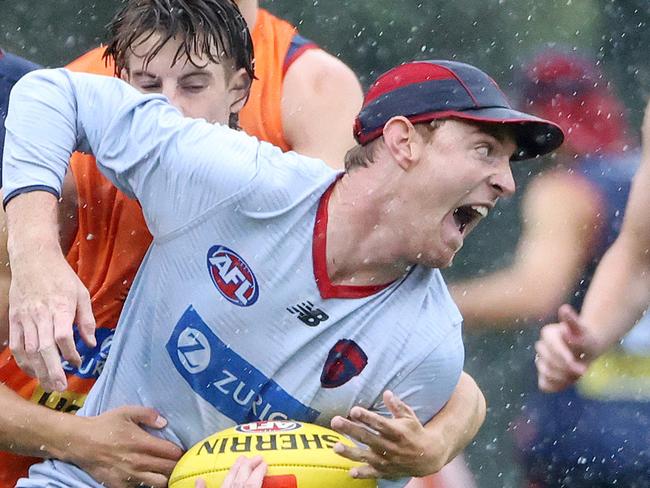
(141, 72)
(196, 72)
(500, 133)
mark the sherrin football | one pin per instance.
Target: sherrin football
(298, 455)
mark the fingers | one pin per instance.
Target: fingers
(554, 351)
(48, 361)
(354, 430)
(365, 471)
(257, 476)
(569, 316)
(61, 327)
(152, 445)
(396, 406)
(17, 347)
(200, 483)
(153, 480)
(375, 465)
(53, 378)
(246, 473)
(144, 416)
(32, 342)
(556, 363)
(232, 474)
(85, 319)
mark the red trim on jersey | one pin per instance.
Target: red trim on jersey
(319, 255)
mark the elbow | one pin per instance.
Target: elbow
(481, 409)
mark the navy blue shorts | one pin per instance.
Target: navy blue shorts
(565, 440)
(12, 68)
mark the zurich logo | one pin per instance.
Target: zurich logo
(193, 350)
(232, 276)
(92, 359)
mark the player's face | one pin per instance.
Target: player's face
(463, 171)
(199, 89)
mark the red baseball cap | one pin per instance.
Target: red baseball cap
(423, 91)
(570, 89)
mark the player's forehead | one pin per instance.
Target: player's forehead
(155, 51)
(504, 134)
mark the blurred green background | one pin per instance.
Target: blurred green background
(373, 35)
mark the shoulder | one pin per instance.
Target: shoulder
(320, 70)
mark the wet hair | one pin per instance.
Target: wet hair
(361, 156)
(215, 29)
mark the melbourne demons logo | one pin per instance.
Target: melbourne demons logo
(344, 361)
(232, 276)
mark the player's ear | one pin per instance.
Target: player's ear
(239, 86)
(124, 74)
(400, 138)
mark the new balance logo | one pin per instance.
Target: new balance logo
(308, 315)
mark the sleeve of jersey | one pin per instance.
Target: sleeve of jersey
(176, 167)
(428, 387)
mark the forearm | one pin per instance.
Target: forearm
(460, 419)
(505, 299)
(32, 225)
(619, 293)
(32, 430)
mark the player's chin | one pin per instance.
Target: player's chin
(443, 257)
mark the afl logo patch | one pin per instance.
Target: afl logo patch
(232, 276)
(269, 426)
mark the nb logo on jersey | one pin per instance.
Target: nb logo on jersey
(232, 276)
(307, 314)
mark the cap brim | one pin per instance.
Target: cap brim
(534, 136)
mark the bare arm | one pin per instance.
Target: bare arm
(618, 295)
(112, 447)
(32, 224)
(620, 291)
(404, 447)
(68, 226)
(560, 213)
(5, 282)
(460, 419)
(321, 98)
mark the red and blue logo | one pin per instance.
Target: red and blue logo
(232, 276)
(344, 361)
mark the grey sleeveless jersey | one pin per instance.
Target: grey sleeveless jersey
(232, 317)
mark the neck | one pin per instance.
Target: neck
(249, 9)
(362, 245)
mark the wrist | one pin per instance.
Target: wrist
(437, 450)
(64, 442)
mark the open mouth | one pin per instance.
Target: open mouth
(468, 215)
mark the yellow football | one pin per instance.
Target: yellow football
(298, 455)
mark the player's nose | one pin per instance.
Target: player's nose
(503, 181)
(173, 96)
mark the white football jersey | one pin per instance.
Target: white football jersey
(232, 317)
